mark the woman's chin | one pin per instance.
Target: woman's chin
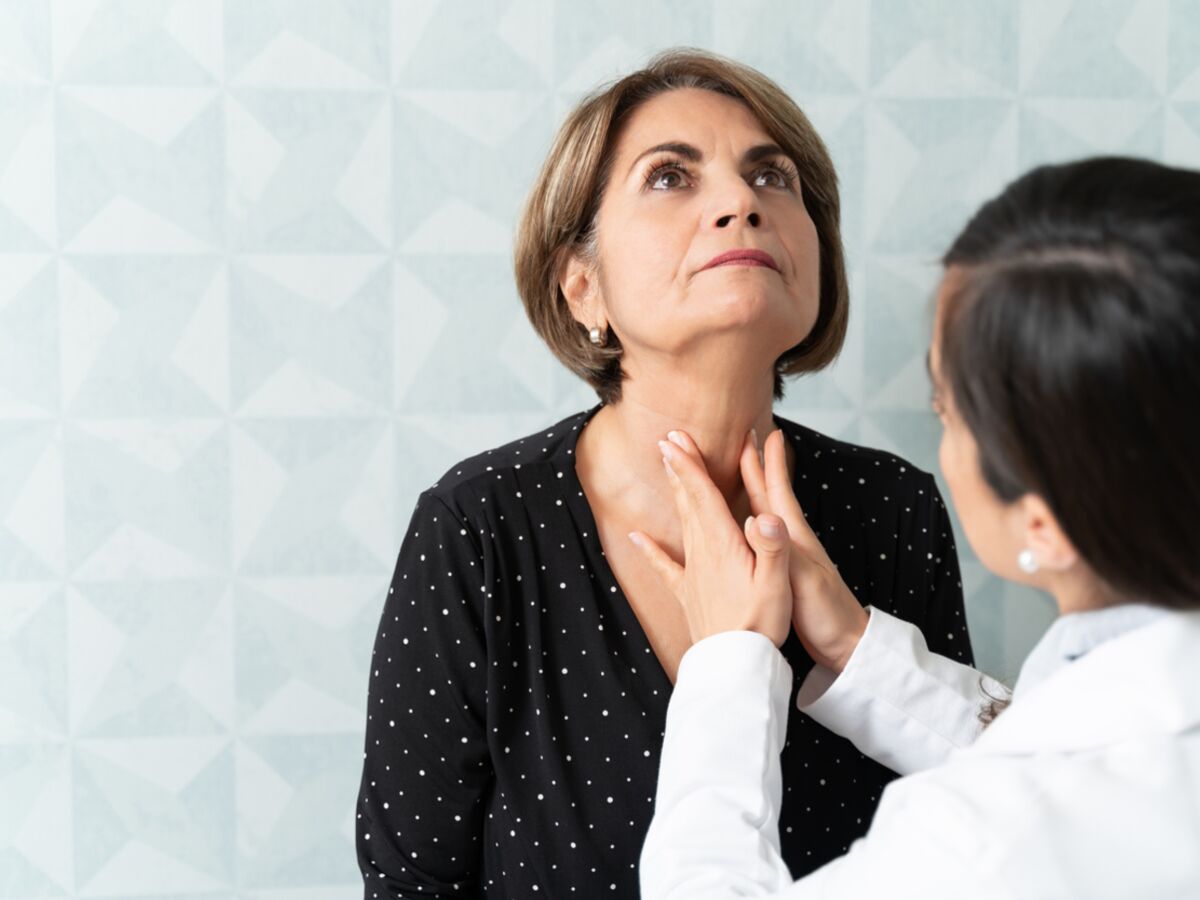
(746, 343)
(759, 310)
(741, 306)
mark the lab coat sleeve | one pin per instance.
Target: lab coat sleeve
(896, 701)
(927, 841)
(715, 831)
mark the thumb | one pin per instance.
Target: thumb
(768, 538)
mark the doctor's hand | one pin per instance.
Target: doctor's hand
(827, 616)
(732, 579)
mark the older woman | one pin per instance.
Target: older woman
(680, 252)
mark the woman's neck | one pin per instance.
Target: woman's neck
(618, 452)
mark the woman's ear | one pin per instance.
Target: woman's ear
(580, 285)
(1045, 537)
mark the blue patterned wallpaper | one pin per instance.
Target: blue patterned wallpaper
(255, 294)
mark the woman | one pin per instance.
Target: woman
(680, 252)
(1066, 366)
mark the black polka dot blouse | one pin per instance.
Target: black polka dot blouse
(516, 710)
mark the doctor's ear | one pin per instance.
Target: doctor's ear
(1044, 537)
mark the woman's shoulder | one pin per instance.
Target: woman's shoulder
(470, 482)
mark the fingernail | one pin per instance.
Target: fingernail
(676, 438)
(636, 538)
(754, 437)
(772, 528)
(665, 449)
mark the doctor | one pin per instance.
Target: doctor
(1066, 368)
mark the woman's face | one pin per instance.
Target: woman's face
(695, 176)
(994, 529)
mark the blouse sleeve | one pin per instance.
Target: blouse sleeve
(426, 763)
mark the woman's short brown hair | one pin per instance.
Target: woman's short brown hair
(560, 214)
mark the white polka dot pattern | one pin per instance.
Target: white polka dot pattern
(516, 710)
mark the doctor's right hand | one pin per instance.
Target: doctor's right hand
(731, 579)
(826, 615)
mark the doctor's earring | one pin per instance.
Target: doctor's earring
(1027, 561)
(595, 337)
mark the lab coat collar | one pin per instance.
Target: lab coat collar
(1145, 682)
(1074, 635)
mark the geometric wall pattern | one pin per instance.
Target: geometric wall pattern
(255, 294)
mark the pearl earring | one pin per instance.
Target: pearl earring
(594, 336)
(1028, 562)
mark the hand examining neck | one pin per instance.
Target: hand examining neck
(618, 449)
(827, 618)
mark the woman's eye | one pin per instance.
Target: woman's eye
(769, 178)
(665, 178)
(774, 176)
(668, 179)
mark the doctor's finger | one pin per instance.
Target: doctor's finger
(753, 477)
(669, 572)
(684, 442)
(781, 495)
(705, 507)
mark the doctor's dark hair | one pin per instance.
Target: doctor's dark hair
(1071, 349)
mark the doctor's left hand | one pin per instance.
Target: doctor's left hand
(732, 579)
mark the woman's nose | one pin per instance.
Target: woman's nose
(752, 219)
(737, 203)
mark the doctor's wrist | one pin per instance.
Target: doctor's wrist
(851, 637)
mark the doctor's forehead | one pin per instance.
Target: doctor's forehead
(952, 280)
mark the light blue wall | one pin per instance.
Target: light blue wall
(255, 294)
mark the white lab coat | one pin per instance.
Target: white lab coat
(1087, 786)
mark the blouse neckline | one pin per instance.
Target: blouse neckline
(563, 458)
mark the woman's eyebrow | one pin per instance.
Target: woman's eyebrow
(691, 154)
(762, 151)
(687, 151)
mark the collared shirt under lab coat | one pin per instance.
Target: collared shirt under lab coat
(1087, 786)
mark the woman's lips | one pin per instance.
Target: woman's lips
(743, 258)
(742, 261)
